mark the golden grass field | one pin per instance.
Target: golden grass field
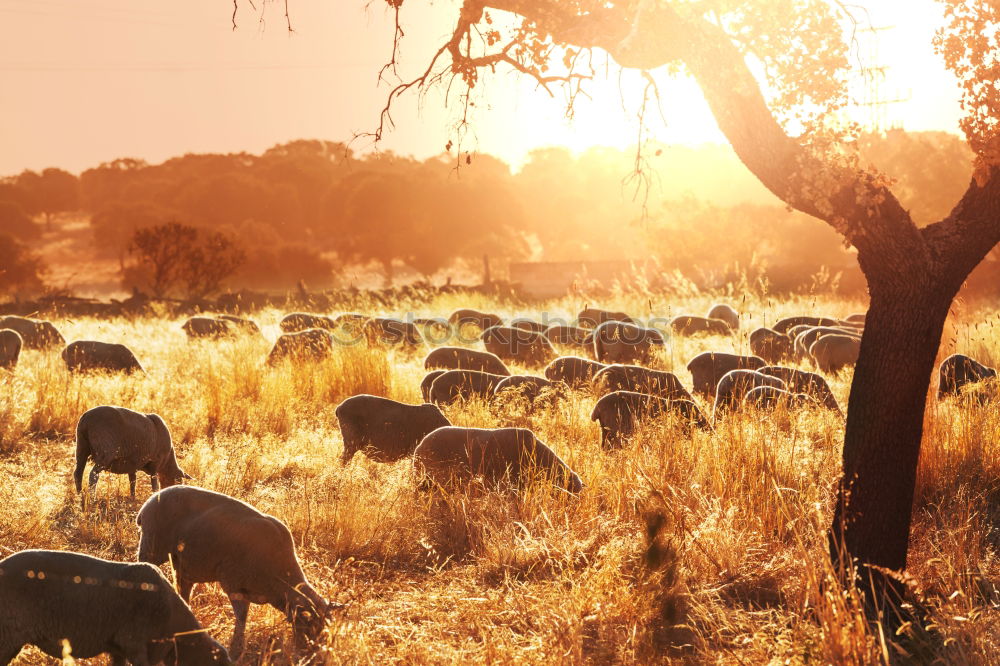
(736, 572)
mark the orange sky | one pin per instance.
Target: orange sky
(84, 81)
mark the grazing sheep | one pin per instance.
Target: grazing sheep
(86, 355)
(708, 368)
(594, 317)
(770, 345)
(241, 324)
(857, 318)
(782, 325)
(641, 380)
(529, 386)
(805, 339)
(529, 325)
(302, 321)
(518, 344)
(207, 327)
(771, 397)
(573, 370)
(35, 333)
(568, 335)
(832, 352)
(311, 344)
(10, 348)
(56, 600)
(796, 331)
(350, 320)
(453, 385)
(801, 381)
(504, 455)
(726, 313)
(736, 383)
(121, 441)
(619, 342)
(388, 331)
(213, 538)
(959, 370)
(466, 316)
(621, 411)
(461, 358)
(435, 330)
(685, 325)
(427, 382)
(383, 429)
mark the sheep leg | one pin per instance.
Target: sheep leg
(154, 482)
(95, 471)
(131, 484)
(240, 609)
(184, 587)
(81, 463)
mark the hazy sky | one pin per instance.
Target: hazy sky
(85, 81)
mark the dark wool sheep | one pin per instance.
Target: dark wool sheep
(685, 325)
(502, 456)
(957, 371)
(641, 380)
(618, 342)
(35, 333)
(832, 352)
(856, 318)
(770, 345)
(435, 329)
(805, 339)
(312, 344)
(453, 385)
(213, 538)
(573, 370)
(529, 325)
(388, 331)
(801, 381)
(10, 348)
(58, 600)
(121, 441)
(241, 324)
(771, 397)
(594, 317)
(568, 335)
(87, 355)
(385, 430)
(708, 368)
(466, 317)
(726, 313)
(529, 386)
(782, 325)
(736, 383)
(301, 321)
(208, 327)
(427, 382)
(621, 411)
(461, 358)
(519, 345)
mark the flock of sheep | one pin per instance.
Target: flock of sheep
(62, 600)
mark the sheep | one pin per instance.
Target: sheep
(957, 371)
(35, 333)
(782, 325)
(427, 382)
(529, 325)
(708, 368)
(302, 321)
(833, 352)
(242, 324)
(805, 339)
(568, 335)
(388, 331)
(594, 317)
(452, 385)
(726, 313)
(573, 370)
(87, 355)
(641, 380)
(801, 381)
(435, 330)
(311, 344)
(685, 325)
(770, 397)
(529, 386)
(502, 456)
(517, 344)
(461, 358)
(770, 345)
(621, 411)
(213, 538)
(208, 327)
(10, 348)
(736, 383)
(857, 317)
(122, 441)
(58, 600)
(384, 430)
(619, 342)
(482, 320)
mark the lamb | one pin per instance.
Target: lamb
(208, 327)
(529, 386)
(832, 352)
(213, 538)
(482, 320)
(427, 382)
(594, 317)
(857, 318)
(735, 384)
(311, 344)
(686, 325)
(805, 339)
(10, 348)
(529, 325)
(51, 599)
(568, 335)
(87, 355)
(621, 411)
(388, 331)
(573, 370)
(708, 368)
(122, 441)
(35, 333)
(461, 358)
(452, 385)
(501, 456)
(385, 430)
(801, 381)
(641, 380)
(771, 397)
(770, 345)
(246, 326)
(957, 371)
(726, 313)
(517, 344)
(782, 325)
(618, 342)
(302, 321)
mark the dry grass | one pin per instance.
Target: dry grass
(703, 547)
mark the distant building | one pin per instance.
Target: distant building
(551, 279)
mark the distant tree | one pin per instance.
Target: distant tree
(213, 259)
(115, 224)
(15, 221)
(176, 256)
(51, 192)
(109, 182)
(20, 268)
